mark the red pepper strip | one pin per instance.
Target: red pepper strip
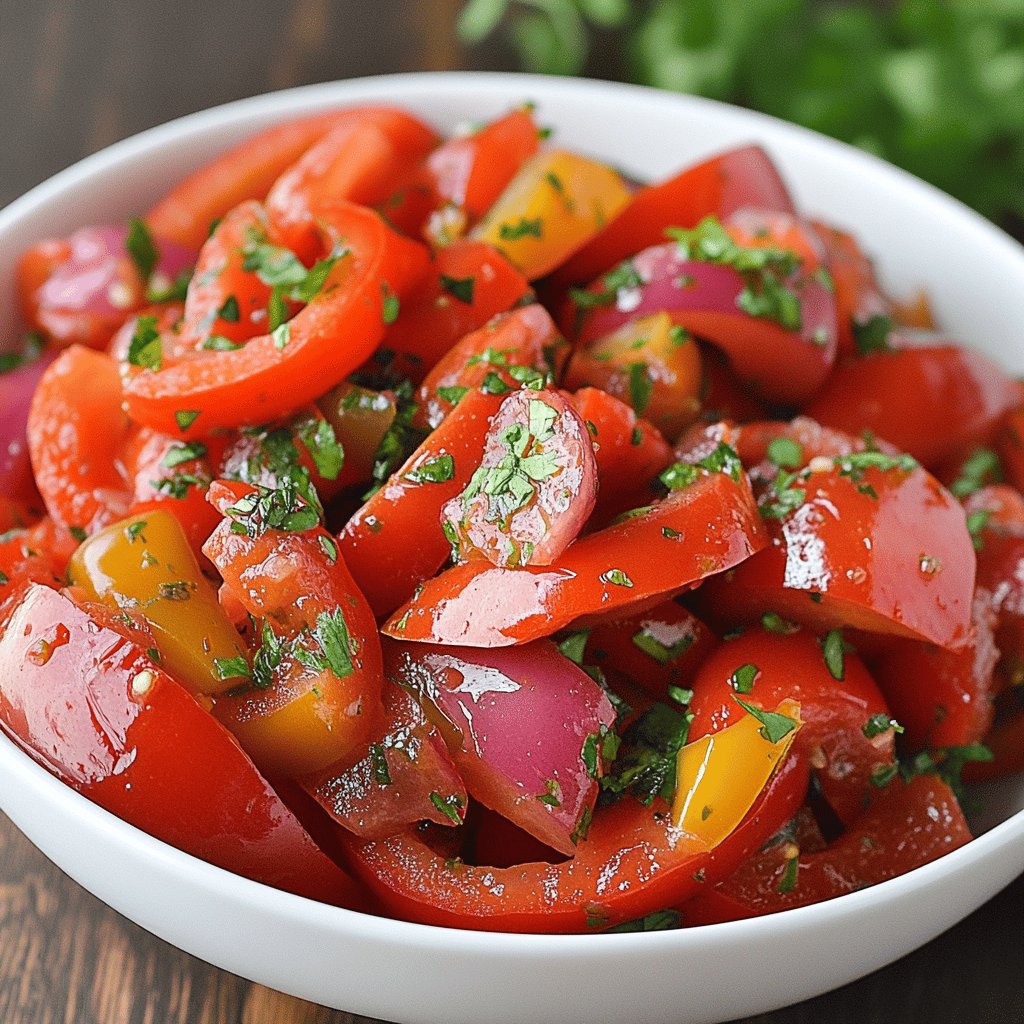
(359, 162)
(633, 862)
(468, 283)
(907, 825)
(705, 528)
(725, 183)
(394, 541)
(275, 374)
(245, 171)
(92, 708)
(467, 174)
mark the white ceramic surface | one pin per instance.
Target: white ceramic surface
(413, 973)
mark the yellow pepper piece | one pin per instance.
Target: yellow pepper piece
(555, 204)
(144, 564)
(719, 777)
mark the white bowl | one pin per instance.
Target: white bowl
(415, 973)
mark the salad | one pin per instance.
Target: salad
(458, 530)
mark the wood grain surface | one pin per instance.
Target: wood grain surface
(76, 75)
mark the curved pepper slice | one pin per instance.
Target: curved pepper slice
(635, 859)
(394, 541)
(704, 528)
(94, 710)
(246, 171)
(906, 825)
(275, 374)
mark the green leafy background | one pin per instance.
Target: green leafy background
(935, 87)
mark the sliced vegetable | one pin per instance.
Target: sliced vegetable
(138, 745)
(555, 204)
(702, 529)
(144, 565)
(534, 489)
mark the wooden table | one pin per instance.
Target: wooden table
(76, 75)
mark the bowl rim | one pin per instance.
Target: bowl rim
(23, 770)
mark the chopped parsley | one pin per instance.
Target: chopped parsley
(856, 464)
(872, 335)
(437, 470)
(177, 484)
(460, 288)
(659, 651)
(269, 508)
(379, 765)
(183, 451)
(267, 658)
(522, 229)
(231, 668)
(782, 497)
(449, 806)
(616, 577)
(277, 309)
(329, 547)
(976, 523)
(641, 386)
(879, 723)
(331, 634)
(646, 765)
(185, 418)
(834, 650)
(774, 726)
(742, 680)
(218, 343)
(140, 246)
(389, 303)
(31, 349)
(552, 794)
(400, 439)
(772, 622)
(787, 883)
(229, 310)
(145, 348)
(621, 278)
(785, 453)
(659, 921)
(134, 530)
(722, 460)
(322, 444)
(574, 646)
(510, 485)
(453, 394)
(763, 268)
(981, 468)
(945, 762)
(180, 590)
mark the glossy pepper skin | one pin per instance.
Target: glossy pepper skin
(883, 550)
(633, 861)
(697, 531)
(144, 563)
(130, 739)
(905, 825)
(318, 701)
